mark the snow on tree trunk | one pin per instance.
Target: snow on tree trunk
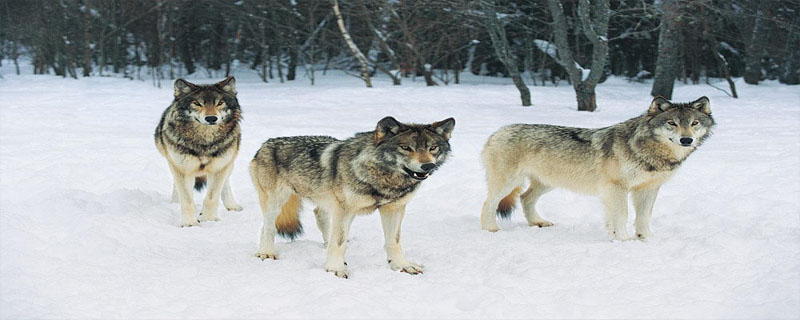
(352, 45)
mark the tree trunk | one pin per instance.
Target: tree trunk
(497, 33)
(586, 98)
(668, 49)
(352, 45)
(754, 47)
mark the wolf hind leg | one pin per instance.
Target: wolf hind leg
(615, 201)
(323, 223)
(529, 199)
(227, 196)
(271, 202)
(499, 187)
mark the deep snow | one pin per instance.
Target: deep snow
(87, 229)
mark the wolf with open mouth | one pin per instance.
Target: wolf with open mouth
(379, 169)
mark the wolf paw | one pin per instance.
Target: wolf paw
(234, 207)
(541, 224)
(189, 222)
(208, 217)
(643, 235)
(491, 229)
(265, 256)
(407, 267)
(339, 272)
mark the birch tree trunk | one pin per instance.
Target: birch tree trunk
(497, 33)
(352, 45)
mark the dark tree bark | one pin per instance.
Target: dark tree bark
(668, 50)
(497, 32)
(754, 43)
(594, 26)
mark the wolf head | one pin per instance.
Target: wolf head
(682, 124)
(207, 104)
(414, 149)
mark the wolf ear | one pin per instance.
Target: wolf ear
(228, 85)
(702, 104)
(444, 127)
(659, 104)
(387, 127)
(183, 87)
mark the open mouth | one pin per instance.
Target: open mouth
(416, 175)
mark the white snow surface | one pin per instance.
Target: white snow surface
(87, 229)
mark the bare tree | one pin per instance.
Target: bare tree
(497, 32)
(352, 45)
(593, 22)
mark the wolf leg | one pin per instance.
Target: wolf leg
(497, 190)
(215, 186)
(176, 198)
(337, 242)
(529, 199)
(227, 195)
(183, 185)
(271, 202)
(323, 223)
(391, 219)
(615, 201)
(643, 201)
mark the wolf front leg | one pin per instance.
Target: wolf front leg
(182, 184)
(215, 186)
(615, 201)
(337, 241)
(391, 219)
(643, 201)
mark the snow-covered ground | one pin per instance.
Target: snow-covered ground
(87, 229)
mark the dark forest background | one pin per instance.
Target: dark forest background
(535, 42)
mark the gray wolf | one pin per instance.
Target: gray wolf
(636, 156)
(379, 169)
(199, 136)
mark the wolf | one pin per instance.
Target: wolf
(379, 169)
(636, 156)
(199, 135)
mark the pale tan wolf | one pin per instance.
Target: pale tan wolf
(379, 169)
(199, 136)
(636, 156)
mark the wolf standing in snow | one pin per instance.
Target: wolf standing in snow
(199, 135)
(379, 169)
(636, 156)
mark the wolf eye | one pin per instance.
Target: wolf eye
(195, 103)
(434, 148)
(221, 102)
(406, 148)
(694, 123)
(672, 123)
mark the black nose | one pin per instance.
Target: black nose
(686, 141)
(428, 166)
(212, 119)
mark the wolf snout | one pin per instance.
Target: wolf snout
(685, 141)
(211, 119)
(428, 166)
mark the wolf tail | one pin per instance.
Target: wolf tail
(288, 221)
(506, 205)
(200, 183)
